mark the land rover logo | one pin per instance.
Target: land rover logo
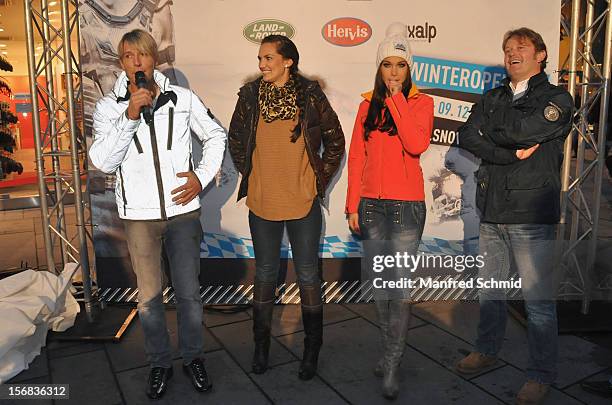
(258, 30)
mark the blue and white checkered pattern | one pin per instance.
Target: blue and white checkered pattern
(215, 245)
(222, 246)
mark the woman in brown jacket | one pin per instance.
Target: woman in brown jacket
(275, 136)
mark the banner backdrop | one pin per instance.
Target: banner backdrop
(211, 47)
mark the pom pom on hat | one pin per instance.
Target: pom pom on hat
(395, 44)
(397, 28)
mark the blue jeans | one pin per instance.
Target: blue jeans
(400, 223)
(180, 236)
(393, 220)
(528, 249)
(304, 236)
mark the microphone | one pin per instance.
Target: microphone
(141, 83)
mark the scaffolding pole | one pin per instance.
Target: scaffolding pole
(59, 98)
(578, 228)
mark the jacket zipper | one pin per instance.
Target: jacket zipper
(380, 164)
(158, 176)
(309, 150)
(249, 151)
(138, 145)
(485, 187)
(123, 192)
(404, 162)
(170, 127)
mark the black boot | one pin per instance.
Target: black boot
(312, 317)
(263, 305)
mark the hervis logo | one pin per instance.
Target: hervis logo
(258, 30)
(346, 31)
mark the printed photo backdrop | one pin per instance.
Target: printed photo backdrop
(211, 47)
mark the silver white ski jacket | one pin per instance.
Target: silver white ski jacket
(146, 163)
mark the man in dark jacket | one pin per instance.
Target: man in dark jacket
(518, 131)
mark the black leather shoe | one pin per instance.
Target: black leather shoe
(158, 382)
(198, 376)
(603, 388)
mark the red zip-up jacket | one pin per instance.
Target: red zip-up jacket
(387, 167)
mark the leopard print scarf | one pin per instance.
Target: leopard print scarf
(277, 103)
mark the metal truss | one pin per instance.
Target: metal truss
(587, 76)
(61, 151)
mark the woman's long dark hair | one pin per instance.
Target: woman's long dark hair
(379, 117)
(287, 49)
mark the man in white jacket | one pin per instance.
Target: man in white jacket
(156, 191)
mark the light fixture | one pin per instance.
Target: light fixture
(4, 53)
(53, 3)
(1, 29)
(2, 45)
(25, 115)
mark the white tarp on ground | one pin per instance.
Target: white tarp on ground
(31, 303)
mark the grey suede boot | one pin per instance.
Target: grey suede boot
(382, 310)
(399, 317)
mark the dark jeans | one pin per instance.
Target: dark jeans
(180, 236)
(400, 223)
(529, 248)
(304, 236)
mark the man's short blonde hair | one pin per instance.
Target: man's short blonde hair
(143, 41)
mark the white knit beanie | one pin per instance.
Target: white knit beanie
(395, 44)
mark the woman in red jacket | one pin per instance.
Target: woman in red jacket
(385, 198)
